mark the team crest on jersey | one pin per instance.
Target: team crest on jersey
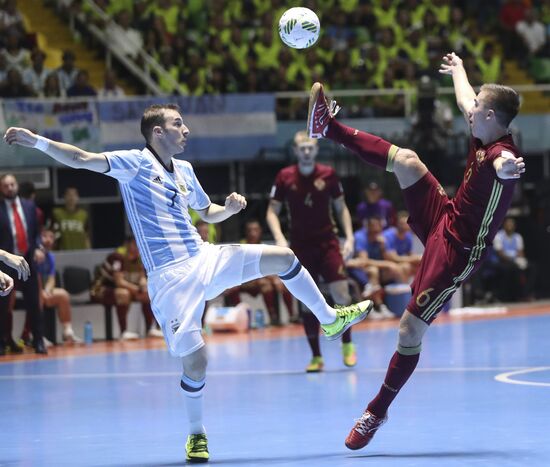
(182, 187)
(320, 184)
(480, 156)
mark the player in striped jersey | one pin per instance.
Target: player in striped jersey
(183, 271)
(455, 232)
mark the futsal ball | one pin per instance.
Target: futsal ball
(299, 28)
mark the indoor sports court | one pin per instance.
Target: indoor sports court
(478, 397)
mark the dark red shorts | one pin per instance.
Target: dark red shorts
(322, 259)
(445, 264)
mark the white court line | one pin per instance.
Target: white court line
(241, 373)
(507, 377)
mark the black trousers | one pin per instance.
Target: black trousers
(31, 300)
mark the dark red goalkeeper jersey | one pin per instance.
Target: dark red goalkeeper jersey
(309, 201)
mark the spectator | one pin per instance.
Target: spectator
(11, 19)
(35, 76)
(19, 235)
(514, 273)
(27, 191)
(14, 86)
(268, 286)
(110, 89)
(3, 69)
(532, 34)
(81, 86)
(119, 281)
(372, 265)
(70, 223)
(375, 206)
(67, 72)
(399, 244)
(490, 64)
(16, 56)
(122, 36)
(52, 88)
(51, 295)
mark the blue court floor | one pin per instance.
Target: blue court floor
(480, 397)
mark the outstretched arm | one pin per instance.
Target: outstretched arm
(344, 217)
(272, 219)
(465, 94)
(67, 154)
(234, 203)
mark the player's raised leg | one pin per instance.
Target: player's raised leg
(374, 150)
(297, 279)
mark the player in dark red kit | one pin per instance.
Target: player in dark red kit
(312, 193)
(455, 232)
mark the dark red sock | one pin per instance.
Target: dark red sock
(401, 367)
(311, 327)
(270, 300)
(346, 337)
(289, 302)
(370, 148)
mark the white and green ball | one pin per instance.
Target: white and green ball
(299, 27)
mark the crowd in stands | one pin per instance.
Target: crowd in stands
(224, 46)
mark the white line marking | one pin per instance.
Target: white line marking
(507, 377)
(160, 374)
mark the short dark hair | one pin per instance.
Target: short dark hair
(503, 100)
(26, 189)
(154, 116)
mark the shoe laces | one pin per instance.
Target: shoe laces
(366, 423)
(346, 310)
(198, 443)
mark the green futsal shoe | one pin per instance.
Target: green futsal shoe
(196, 449)
(346, 316)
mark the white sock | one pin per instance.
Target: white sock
(68, 329)
(193, 402)
(299, 283)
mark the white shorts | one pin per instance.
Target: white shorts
(179, 293)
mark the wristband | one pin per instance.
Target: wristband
(41, 144)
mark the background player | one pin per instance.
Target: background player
(455, 232)
(183, 271)
(312, 192)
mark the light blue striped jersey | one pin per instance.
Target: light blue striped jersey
(157, 201)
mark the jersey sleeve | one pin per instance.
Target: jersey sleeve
(278, 188)
(123, 165)
(198, 200)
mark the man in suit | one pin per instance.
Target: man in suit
(19, 234)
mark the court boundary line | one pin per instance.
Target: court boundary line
(507, 377)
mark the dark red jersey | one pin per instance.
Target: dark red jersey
(309, 201)
(482, 200)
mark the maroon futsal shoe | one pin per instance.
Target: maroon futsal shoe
(320, 112)
(364, 430)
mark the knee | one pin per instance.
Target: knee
(287, 257)
(408, 159)
(122, 296)
(195, 368)
(409, 336)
